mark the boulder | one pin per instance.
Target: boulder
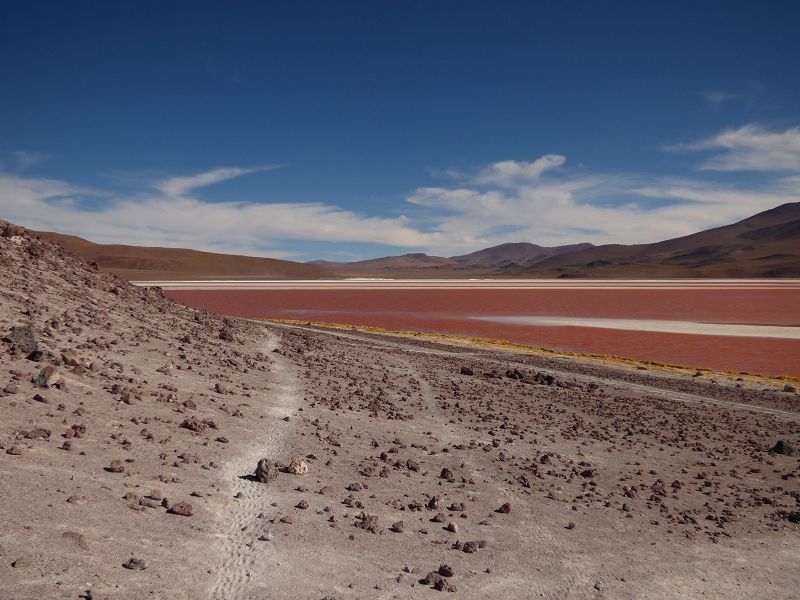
(266, 470)
(23, 339)
(785, 448)
(298, 466)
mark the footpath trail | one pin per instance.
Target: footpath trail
(244, 558)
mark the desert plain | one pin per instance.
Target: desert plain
(152, 450)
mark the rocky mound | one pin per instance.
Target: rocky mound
(118, 407)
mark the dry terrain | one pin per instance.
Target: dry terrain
(148, 450)
(142, 262)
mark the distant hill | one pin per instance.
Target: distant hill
(517, 253)
(505, 258)
(765, 245)
(144, 263)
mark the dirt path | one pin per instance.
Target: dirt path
(245, 558)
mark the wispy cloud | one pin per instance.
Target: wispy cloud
(749, 148)
(716, 98)
(177, 187)
(509, 172)
(168, 214)
(27, 160)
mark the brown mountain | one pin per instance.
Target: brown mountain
(764, 245)
(515, 253)
(503, 259)
(144, 263)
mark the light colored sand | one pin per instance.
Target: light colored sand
(660, 326)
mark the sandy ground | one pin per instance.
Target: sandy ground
(480, 472)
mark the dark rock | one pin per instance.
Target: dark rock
(446, 571)
(266, 470)
(443, 585)
(467, 371)
(431, 578)
(135, 564)
(45, 377)
(505, 509)
(368, 522)
(785, 448)
(23, 339)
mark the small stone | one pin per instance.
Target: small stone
(298, 466)
(443, 585)
(398, 527)
(302, 505)
(135, 564)
(785, 448)
(446, 570)
(116, 466)
(452, 527)
(505, 509)
(183, 509)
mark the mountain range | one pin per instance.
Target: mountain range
(764, 245)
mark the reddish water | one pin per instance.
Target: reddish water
(449, 311)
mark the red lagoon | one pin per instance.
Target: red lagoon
(452, 311)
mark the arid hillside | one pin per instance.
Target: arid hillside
(764, 245)
(118, 410)
(143, 263)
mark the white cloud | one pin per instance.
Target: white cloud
(749, 148)
(510, 172)
(169, 216)
(180, 186)
(540, 201)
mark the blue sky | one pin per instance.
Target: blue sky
(354, 129)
